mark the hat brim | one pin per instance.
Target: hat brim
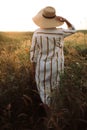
(43, 22)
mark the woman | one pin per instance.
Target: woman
(47, 51)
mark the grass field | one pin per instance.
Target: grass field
(19, 100)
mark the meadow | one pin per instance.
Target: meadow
(20, 104)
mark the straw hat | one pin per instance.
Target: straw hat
(46, 18)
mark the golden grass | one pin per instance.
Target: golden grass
(20, 106)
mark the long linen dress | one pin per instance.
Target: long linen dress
(47, 51)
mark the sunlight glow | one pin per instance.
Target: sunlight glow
(16, 15)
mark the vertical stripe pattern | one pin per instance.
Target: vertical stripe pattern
(50, 61)
(57, 68)
(51, 76)
(47, 44)
(39, 62)
(45, 81)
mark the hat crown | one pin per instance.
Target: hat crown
(49, 12)
(46, 18)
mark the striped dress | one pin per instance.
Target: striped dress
(47, 51)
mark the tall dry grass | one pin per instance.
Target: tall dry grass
(20, 104)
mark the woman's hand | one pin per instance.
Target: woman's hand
(61, 19)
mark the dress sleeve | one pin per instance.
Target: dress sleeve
(69, 31)
(34, 49)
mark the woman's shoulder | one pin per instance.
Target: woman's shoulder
(49, 30)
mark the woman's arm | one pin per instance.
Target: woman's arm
(70, 30)
(34, 49)
(61, 19)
